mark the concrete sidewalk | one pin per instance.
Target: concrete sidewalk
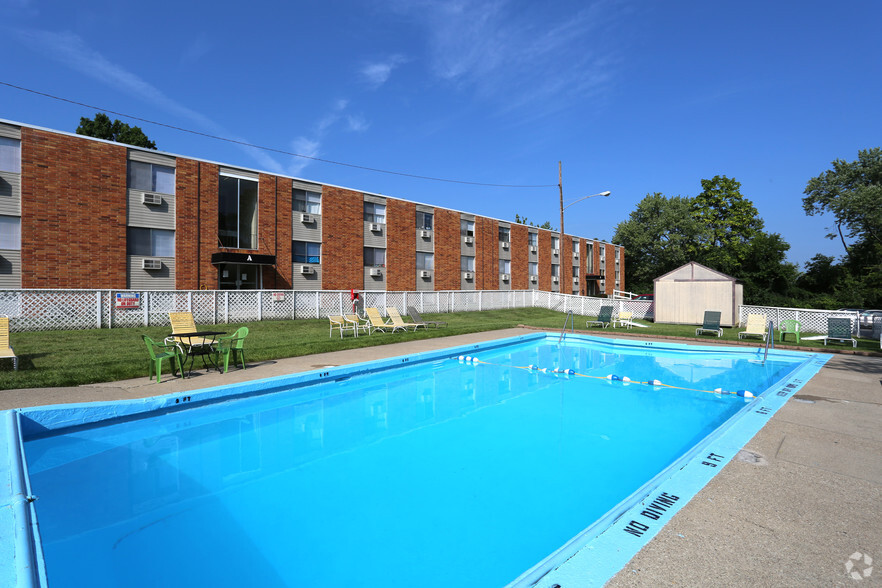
(791, 510)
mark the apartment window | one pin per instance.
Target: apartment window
(589, 261)
(504, 235)
(151, 177)
(533, 238)
(424, 221)
(374, 257)
(467, 228)
(425, 261)
(504, 266)
(575, 271)
(306, 252)
(555, 270)
(10, 232)
(617, 254)
(150, 242)
(237, 210)
(307, 201)
(533, 268)
(555, 242)
(467, 263)
(374, 213)
(10, 155)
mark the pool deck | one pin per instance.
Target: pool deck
(804, 496)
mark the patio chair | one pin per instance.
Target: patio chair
(357, 322)
(396, 319)
(232, 345)
(604, 318)
(182, 322)
(756, 327)
(341, 324)
(790, 327)
(624, 319)
(377, 323)
(839, 329)
(415, 317)
(711, 323)
(159, 353)
(6, 351)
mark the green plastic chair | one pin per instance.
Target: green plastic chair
(232, 345)
(790, 327)
(158, 353)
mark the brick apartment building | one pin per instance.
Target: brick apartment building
(78, 212)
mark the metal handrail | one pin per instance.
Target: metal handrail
(770, 341)
(572, 320)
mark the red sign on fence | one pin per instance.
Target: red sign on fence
(128, 300)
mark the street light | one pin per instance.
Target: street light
(576, 201)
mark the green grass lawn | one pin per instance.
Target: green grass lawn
(71, 358)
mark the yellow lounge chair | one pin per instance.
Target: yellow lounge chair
(624, 319)
(398, 321)
(377, 323)
(182, 322)
(756, 327)
(6, 351)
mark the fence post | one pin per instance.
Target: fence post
(145, 305)
(226, 306)
(318, 309)
(480, 300)
(260, 305)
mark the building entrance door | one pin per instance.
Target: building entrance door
(239, 276)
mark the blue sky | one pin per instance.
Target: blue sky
(633, 97)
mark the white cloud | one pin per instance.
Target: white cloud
(378, 73)
(196, 50)
(302, 146)
(357, 123)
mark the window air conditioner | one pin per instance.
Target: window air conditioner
(425, 234)
(505, 245)
(576, 281)
(425, 274)
(555, 279)
(306, 269)
(469, 239)
(306, 218)
(376, 271)
(468, 275)
(376, 227)
(151, 198)
(555, 251)
(151, 264)
(533, 249)
(575, 255)
(533, 278)
(505, 277)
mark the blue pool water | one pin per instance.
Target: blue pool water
(438, 473)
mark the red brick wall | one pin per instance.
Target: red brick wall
(566, 265)
(274, 229)
(73, 208)
(486, 254)
(610, 282)
(544, 260)
(622, 269)
(187, 229)
(583, 266)
(520, 249)
(209, 182)
(342, 239)
(400, 245)
(447, 250)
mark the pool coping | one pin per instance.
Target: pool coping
(37, 421)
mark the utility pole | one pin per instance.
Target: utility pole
(560, 186)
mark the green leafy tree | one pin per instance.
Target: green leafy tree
(102, 128)
(660, 235)
(731, 222)
(523, 220)
(768, 277)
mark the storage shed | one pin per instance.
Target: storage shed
(682, 295)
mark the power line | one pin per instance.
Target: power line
(272, 149)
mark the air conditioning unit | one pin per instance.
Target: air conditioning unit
(306, 269)
(555, 251)
(469, 239)
(425, 234)
(306, 218)
(376, 271)
(151, 263)
(375, 227)
(576, 281)
(505, 277)
(151, 198)
(425, 274)
(505, 245)
(533, 279)
(533, 249)
(468, 275)
(575, 255)
(554, 280)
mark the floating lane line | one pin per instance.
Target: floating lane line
(610, 377)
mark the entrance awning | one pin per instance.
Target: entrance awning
(252, 258)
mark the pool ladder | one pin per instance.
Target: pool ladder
(770, 341)
(572, 320)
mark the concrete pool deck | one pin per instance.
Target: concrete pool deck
(802, 499)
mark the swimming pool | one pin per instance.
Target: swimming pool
(424, 470)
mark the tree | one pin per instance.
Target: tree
(730, 220)
(523, 221)
(102, 128)
(661, 235)
(768, 277)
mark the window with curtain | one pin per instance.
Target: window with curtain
(374, 213)
(467, 263)
(151, 177)
(10, 232)
(533, 238)
(306, 252)
(504, 266)
(504, 235)
(374, 257)
(10, 155)
(467, 228)
(307, 201)
(424, 220)
(425, 261)
(533, 268)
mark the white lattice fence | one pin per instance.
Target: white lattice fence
(810, 320)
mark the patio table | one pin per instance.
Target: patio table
(192, 350)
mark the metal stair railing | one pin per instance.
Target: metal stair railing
(770, 340)
(572, 320)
